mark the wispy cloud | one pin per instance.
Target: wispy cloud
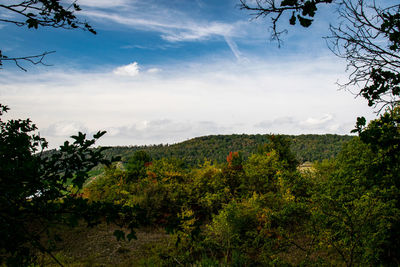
(176, 30)
(154, 70)
(194, 32)
(106, 3)
(234, 48)
(172, 25)
(325, 123)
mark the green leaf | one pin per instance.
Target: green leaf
(288, 2)
(292, 20)
(304, 21)
(99, 134)
(131, 235)
(119, 235)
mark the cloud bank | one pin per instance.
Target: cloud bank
(185, 100)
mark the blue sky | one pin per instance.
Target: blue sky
(165, 71)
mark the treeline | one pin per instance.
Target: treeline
(308, 147)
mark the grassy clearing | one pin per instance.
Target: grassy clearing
(97, 246)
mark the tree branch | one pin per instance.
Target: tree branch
(35, 60)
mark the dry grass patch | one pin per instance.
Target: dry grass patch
(97, 246)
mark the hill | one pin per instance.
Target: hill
(309, 147)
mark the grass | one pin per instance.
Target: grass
(82, 246)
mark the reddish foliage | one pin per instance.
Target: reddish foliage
(234, 160)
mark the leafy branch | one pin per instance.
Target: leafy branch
(40, 13)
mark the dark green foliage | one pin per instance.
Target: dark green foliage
(136, 166)
(391, 27)
(356, 211)
(383, 83)
(383, 137)
(38, 192)
(262, 173)
(216, 148)
(282, 146)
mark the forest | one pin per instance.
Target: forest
(216, 147)
(261, 209)
(224, 200)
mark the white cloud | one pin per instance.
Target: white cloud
(186, 100)
(154, 70)
(317, 122)
(131, 70)
(144, 132)
(278, 122)
(64, 129)
(319, 125)
(166, 131)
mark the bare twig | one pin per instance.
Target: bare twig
(35, 60)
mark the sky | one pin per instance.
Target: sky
(163, 71)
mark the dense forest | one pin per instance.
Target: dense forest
(254, 210)
(262, 209)
(309, 147)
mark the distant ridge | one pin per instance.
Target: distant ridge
(307, 147)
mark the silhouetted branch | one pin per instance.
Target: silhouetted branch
(35, 60)
(367, 38)
(44, 13)
(301, 11)
(40, 13)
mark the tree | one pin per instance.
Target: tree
(136, 166)
(282, 147)
(367, 36)
(40, 13)
(358, 202)
(39, 191)
(356, 205)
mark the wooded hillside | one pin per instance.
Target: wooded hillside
(309, 147)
